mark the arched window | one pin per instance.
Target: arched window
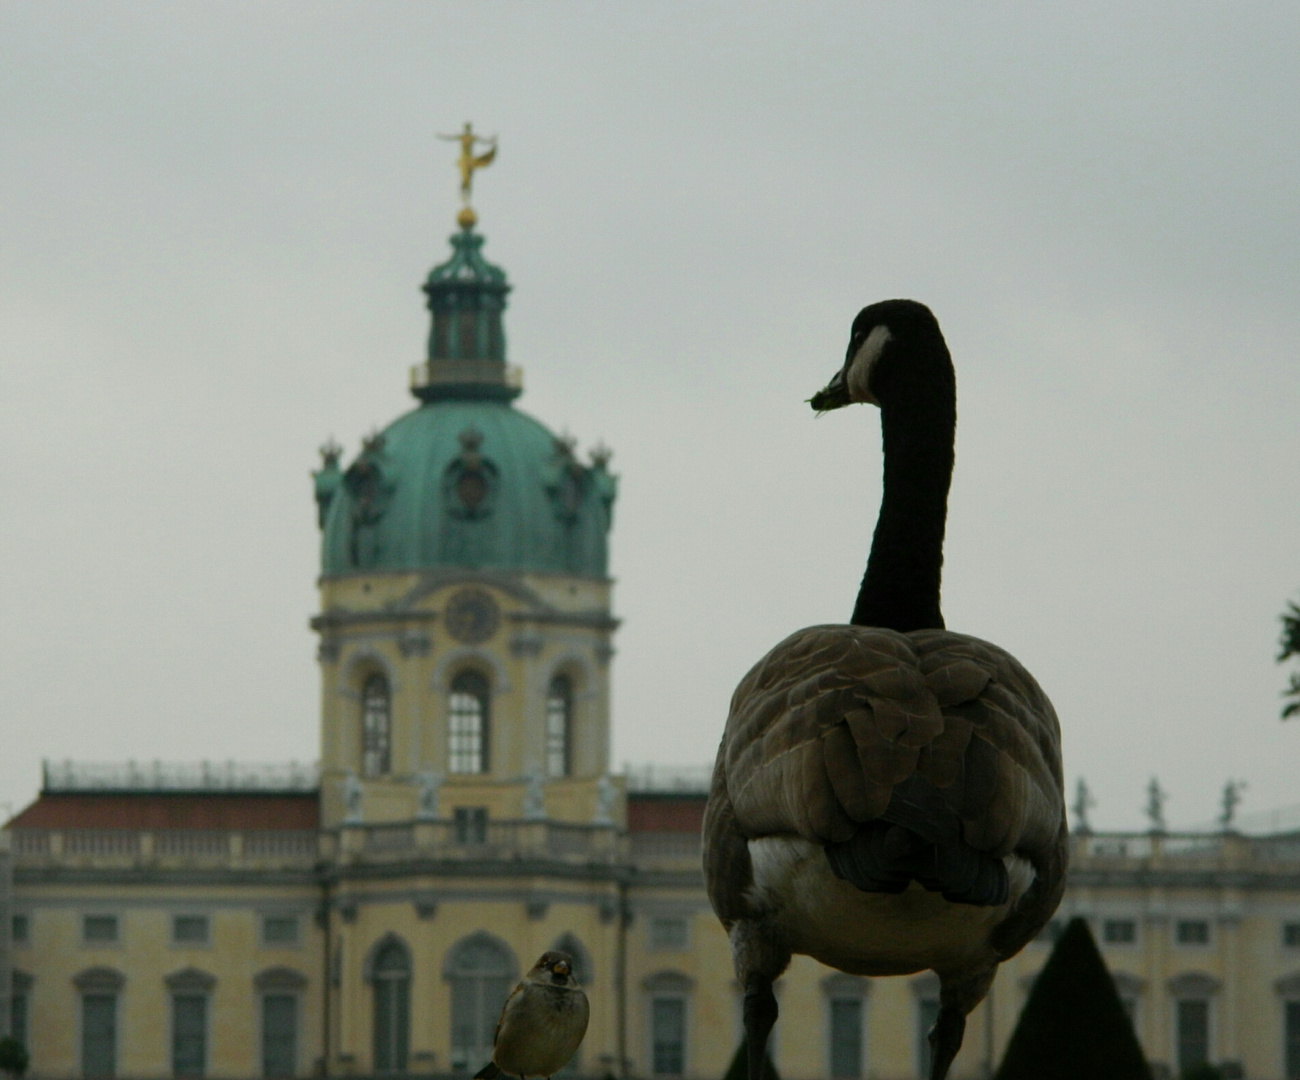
(559, 726)
(469, 723)
(481, 971)
(376, 726)
(390, 973)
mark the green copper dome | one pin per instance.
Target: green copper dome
(465, 480)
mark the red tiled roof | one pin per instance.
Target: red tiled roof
(665, 813)
(169, 811)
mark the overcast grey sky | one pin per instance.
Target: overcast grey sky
(216, 218)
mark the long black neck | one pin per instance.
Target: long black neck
(900, 589)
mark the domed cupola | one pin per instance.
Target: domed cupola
(466, 480)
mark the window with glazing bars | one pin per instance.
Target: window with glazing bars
(99, 929)
(468, 729)
(1291, 1024)
(99, 1036)
(189, 1034)
(1119, 931)
(559, 721)
(280, 930)
(846, 1038)
(392, 1019)
(376, 726)
(470, 824)
(190, 929)
(279, 1035)
(1193, 1033)
(18, 1016)
(480, 982)
(668, 1036)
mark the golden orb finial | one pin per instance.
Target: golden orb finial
(466, 219)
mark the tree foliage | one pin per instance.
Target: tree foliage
(1290, 646)
(1074, 1027)
(13, 1056)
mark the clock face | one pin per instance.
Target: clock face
(472, 616)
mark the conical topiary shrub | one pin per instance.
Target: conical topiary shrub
(1073, 1027)
(739, 1067)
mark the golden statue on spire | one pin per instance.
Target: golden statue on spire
(467, 163)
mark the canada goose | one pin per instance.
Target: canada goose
(888, 794)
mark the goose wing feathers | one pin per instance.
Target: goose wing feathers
(940, 732)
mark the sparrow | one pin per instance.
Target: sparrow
(542, 1022)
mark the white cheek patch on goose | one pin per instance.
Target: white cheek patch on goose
(864, 360)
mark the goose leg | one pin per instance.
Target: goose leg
(945, 1040)
(760, 1016)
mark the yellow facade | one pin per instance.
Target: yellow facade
(369, 919)
(1212, 919)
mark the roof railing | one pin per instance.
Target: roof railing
(82, 777)
(668, 779)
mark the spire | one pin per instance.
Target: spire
(466, 297)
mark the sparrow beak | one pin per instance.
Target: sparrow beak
(560, 967)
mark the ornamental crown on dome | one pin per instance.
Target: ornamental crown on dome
(465, 480)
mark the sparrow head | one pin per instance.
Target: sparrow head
(554, 967)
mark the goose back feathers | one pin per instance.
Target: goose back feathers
(841, 727)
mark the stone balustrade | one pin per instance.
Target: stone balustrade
(138, 847)
(493, 840)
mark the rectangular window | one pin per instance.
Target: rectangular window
(668, 1036)
(279, 1035)
(280, 929)
(668, 932)
(846, 1038)
(18, 1017)
(190, 929)
(99, 1036)
(927, 1012)
(1049, 933)
(99, 929)
(1193, 1020)
(1192, 932)
(1290, 935)
(20, 930)
(1291, 1023)
(1119, 931)
(189, 1034)
(471, 824)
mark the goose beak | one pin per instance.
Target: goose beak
(834, 395)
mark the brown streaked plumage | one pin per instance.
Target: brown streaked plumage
(888, 795)
(542, 1022)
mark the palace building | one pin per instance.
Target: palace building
(367, 916)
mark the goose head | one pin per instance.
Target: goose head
(892, 343)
